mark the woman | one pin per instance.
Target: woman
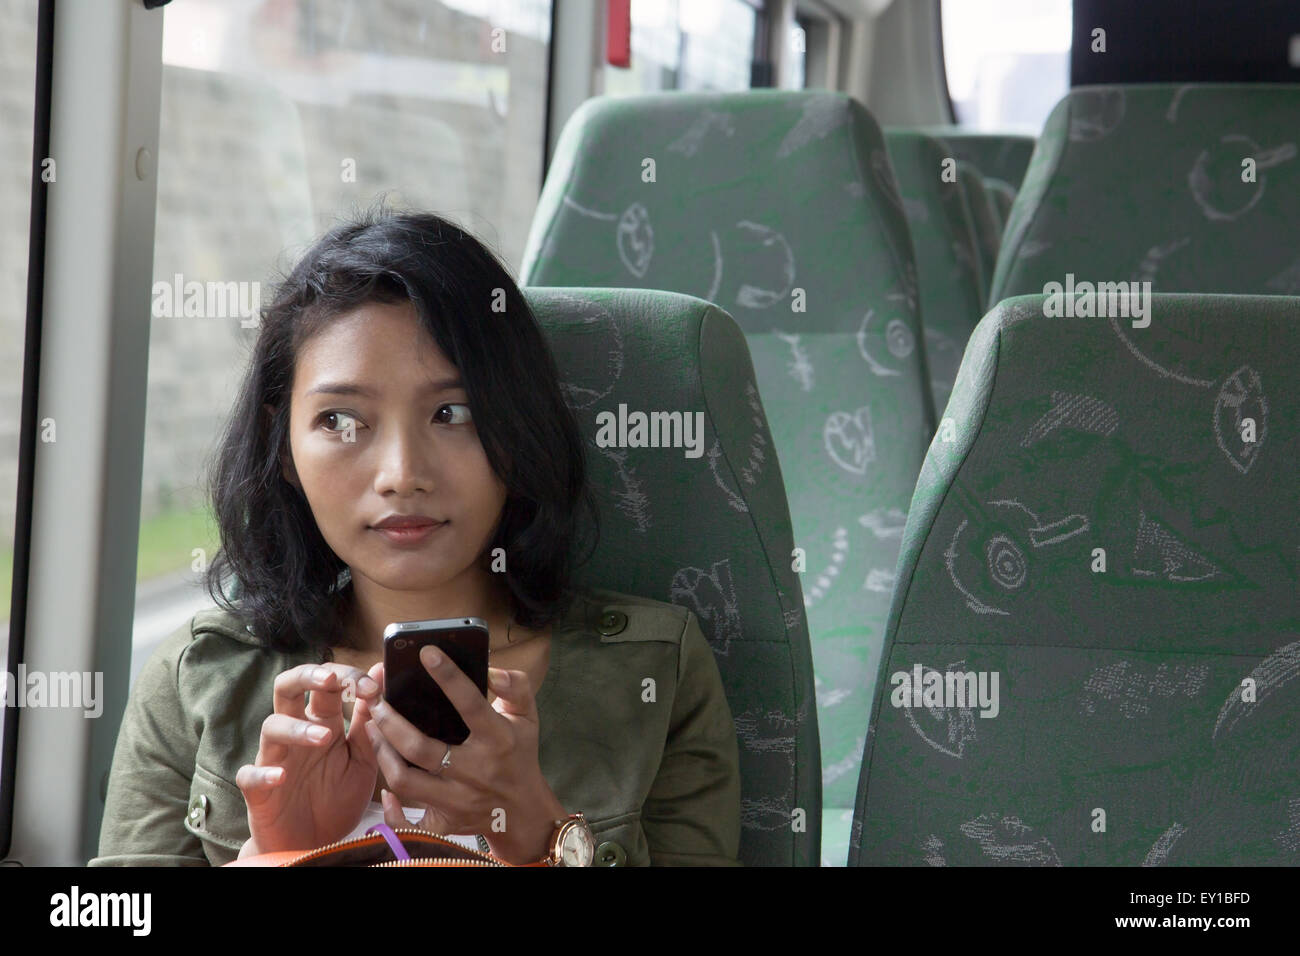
(399, 376)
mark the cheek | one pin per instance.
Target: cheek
(331, 480)
(479, 485)
(326, 468)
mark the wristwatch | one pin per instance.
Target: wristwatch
(572, 843)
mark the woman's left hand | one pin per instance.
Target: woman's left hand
(493, 783)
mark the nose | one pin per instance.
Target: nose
(405, 460)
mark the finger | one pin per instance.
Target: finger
(514, 692)
(372, 683)
(326, 698)
(256, 783)
(393, 814)
(291, 686)
(282, 733)
(405, 738)
(414, 783)
(460, 690)
(357, 737)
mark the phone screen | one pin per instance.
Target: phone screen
(416, 695)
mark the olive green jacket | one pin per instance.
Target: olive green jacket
(658, 780)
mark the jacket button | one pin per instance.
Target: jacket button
(610, 854)
(198, 811)
(612, 622)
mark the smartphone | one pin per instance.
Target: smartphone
(410, 690)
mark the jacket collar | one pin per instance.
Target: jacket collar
(581, 614)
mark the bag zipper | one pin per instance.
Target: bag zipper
(434, 860)
(479, 857)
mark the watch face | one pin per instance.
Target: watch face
(577, 847)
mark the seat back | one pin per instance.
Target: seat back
(935, 195)
(1001, 157)
(984, 222)
(1106, 545)
(1194, 188)
(1004, 197)
(782, 208)
(707, 528)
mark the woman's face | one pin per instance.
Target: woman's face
(380, 424)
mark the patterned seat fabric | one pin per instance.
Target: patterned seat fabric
(782, 208)
(1107, 545)
(1193, 188)
(947, 249)
(1000, 157)
(705, 527)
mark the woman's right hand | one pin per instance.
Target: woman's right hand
(311, 783)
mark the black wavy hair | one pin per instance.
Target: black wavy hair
(290, 588)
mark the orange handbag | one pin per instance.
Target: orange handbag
(382, 845)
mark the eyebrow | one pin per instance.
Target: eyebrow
(350, 388)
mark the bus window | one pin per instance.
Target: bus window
(798, 56)
(1007, 61)
(277, 119)
(676, 45)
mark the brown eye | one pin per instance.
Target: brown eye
(453, 415)
(343, 418)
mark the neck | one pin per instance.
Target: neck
(475, 593)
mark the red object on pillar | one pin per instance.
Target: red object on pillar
(618, 33)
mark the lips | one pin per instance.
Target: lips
(398, 523)
(410, 536)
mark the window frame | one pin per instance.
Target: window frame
(824, 31)
(27, 417)
(77, 603)
(949, 106)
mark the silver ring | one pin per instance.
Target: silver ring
(446, 762)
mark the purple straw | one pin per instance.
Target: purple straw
(394, 844)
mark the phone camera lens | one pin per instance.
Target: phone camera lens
(399, 644)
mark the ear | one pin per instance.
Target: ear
(286, 460)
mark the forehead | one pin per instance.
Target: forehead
(378, 342)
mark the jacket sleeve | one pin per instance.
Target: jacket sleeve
(692, 814)
(153, 766)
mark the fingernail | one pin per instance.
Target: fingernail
(501, 678)
(318, 733)
(366, 686)
(431, 656)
